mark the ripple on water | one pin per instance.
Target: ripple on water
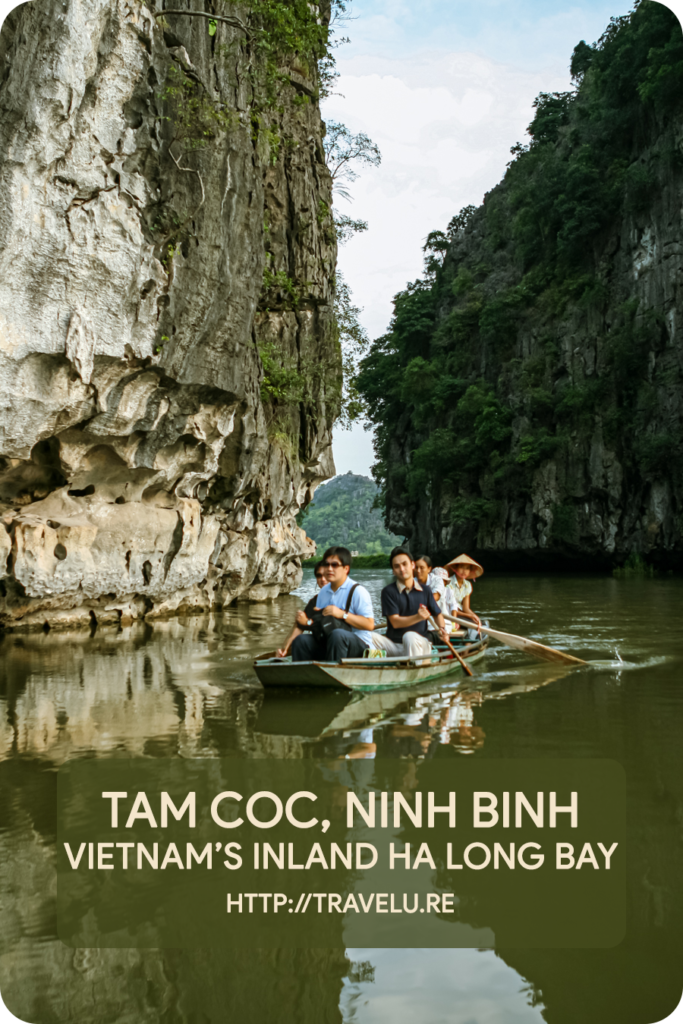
(186, 688)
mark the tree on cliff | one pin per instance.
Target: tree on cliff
(343, 151)
(477, 372)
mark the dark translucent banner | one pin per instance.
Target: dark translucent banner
(156, 853)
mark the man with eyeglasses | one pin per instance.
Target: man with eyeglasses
(356, 622)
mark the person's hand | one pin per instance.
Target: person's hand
(332, 610)
(301, 619)
(282, 652)
(423, 611)
(443, 634)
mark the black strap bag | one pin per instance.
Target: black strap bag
(324, 625)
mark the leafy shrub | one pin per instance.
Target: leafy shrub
(654, 451)
(534, 448)
(281, 381)
(462, 283)
(634, 566)
(465, 510)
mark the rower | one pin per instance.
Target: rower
(407, 605)
(463, 569)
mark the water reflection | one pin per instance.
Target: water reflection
(185, 688)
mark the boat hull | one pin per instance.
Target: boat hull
(363, 675)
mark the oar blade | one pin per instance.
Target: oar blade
(521, 643)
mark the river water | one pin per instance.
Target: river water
(186, 688)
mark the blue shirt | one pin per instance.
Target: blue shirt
(361, 604)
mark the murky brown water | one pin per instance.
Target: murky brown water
(187, 689)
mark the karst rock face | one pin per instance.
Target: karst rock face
(165, 245)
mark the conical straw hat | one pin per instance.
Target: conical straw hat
(465, 560)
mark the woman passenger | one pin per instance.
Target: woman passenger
(436, 579)
(423, 568)
(432, 577)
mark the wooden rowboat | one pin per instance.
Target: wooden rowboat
(366, 674)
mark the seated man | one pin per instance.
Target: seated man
(302, 618)
(408, 605)
(342, 599)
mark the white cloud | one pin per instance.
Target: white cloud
(530, 33)
(353, 451)
(445, 123)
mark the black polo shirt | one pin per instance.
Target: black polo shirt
(395, 602)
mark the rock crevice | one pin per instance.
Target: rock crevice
(159, 225)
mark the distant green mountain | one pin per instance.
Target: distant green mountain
(342, 513)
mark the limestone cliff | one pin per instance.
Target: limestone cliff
(529, 394)
(169, 366)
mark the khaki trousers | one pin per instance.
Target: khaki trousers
(413, 646)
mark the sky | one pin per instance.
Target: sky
(445, 88)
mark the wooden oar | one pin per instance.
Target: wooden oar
(521, 643)
(466, 667)
(468, 671)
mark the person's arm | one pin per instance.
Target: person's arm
(302, 619)
(390, 605)
(390, 602)
(357, 621)
(441, 625)
(305, 615)
(436, 612)
(361, 617)
(436, 585)
(283, 651)
(449, 604)
(405, 621)
(467, 611)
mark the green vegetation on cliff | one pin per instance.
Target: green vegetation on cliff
(523, 343)
(343, 512)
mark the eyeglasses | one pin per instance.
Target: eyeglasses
(331, 565)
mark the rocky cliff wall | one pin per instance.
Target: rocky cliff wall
(169, 367)
(529, 395)
(594, 490)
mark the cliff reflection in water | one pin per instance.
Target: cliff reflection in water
(186, 688)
